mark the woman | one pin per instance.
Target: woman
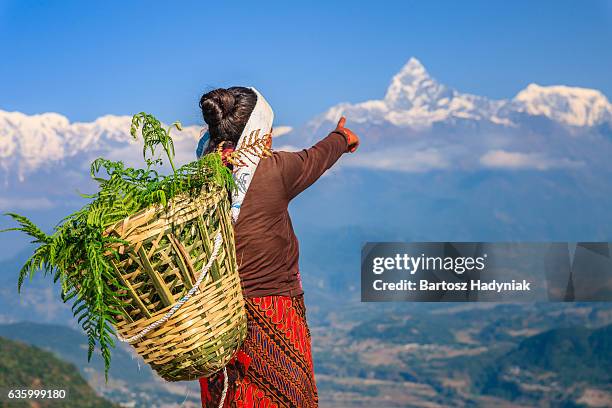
(274, 366)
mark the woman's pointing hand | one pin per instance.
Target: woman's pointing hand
(352, 138)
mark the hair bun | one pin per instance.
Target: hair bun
(217, 105)
(226, 112)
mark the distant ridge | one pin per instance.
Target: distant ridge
(23, 367)
(573, 355)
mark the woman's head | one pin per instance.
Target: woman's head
(226, 112)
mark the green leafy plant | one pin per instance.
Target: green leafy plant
(77, 252)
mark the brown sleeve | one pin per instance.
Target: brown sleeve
(301, 169)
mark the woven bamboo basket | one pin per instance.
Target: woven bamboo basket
(169, 247)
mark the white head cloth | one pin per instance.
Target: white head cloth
(261, 119)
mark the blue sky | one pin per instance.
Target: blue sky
(86, 59)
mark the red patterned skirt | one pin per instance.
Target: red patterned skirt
(273, 368)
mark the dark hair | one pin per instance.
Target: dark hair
(226, 112)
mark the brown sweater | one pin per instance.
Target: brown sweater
(266, 246)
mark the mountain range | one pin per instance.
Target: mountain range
(415, 99)
(422, 125)
(414, 103)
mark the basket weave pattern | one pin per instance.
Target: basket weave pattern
(168, 248)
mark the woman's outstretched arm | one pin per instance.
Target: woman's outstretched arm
(301, 169)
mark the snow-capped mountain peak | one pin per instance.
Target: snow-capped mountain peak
(29, 142)
(570, 105)
(413, 85)
(413, 68)
(415, 99)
